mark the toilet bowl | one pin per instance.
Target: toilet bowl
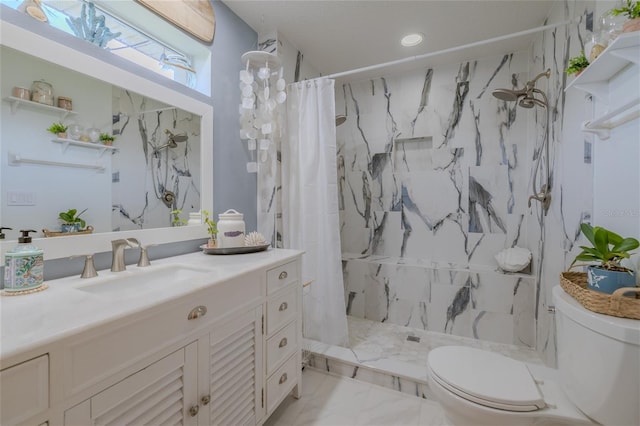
(477, 387)
(597, 380)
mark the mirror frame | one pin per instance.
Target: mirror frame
(33, 44)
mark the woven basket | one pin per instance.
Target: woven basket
(617, 305)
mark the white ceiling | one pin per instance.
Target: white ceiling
(339, 35)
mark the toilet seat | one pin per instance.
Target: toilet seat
(485, 378)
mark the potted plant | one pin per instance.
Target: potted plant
(107, 139)
(58, 129)
(632, 11)
(609, 249)
(212, 229)
(71, 222)
(577, 64)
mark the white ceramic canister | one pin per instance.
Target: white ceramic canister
(230, 229)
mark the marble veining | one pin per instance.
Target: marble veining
(144, 169)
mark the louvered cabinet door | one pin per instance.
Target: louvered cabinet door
(236, 371)
(164, 393)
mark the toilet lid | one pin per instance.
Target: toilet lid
(486, 378)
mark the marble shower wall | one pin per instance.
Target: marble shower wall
(557, 235)
(143, 171)
(433, 182)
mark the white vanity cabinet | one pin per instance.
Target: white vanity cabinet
(283, 334)
(227, 354)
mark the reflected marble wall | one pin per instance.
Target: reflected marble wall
(142, 171)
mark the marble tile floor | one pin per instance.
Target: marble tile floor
(329, 400)
(382, 354)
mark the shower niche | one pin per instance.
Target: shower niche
(413, 154)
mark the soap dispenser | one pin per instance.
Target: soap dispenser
(24, 265)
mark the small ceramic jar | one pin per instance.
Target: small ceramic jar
(22, 93)
(230, 229)
(65, 103)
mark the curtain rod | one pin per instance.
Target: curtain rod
(449, 50)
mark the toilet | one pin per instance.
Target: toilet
(597, 380)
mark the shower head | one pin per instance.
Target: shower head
(340, 119)
(173, 140)
(526, 93)
(508, 95)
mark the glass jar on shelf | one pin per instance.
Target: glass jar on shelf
(42, 92)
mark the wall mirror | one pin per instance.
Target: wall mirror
(159, 162)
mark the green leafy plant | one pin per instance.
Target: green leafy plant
(177, 220)
(631, 10)
(577, 64)
(70, 217)
(58, 127)
(212, 228)
(106, 137)
(608, 248)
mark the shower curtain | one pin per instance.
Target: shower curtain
(310, 207)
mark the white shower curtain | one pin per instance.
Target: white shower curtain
(310, 207)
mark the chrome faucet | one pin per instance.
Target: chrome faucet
(117, 254)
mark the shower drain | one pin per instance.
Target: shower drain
(413, 339)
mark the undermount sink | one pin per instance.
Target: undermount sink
(142, 279)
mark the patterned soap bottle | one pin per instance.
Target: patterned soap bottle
(24, 265)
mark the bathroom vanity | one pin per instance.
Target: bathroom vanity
(192, 339)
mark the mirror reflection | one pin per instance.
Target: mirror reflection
(148, 178)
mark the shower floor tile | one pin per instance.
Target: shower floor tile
(382, 354)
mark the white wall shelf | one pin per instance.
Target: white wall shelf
(624, 51)
(88, 145)
(17, 102)
(595, 80)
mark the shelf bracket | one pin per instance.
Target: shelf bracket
(603, 134)
(599, 90)
(631, 54)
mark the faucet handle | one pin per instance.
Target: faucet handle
(133, 242)
(144, 255)
(89, 270)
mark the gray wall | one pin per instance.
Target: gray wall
(233, 187)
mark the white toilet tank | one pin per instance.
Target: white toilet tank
(598, 361)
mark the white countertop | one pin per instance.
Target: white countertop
(62, 310)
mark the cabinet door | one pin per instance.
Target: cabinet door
(162, 393)
(235, 366)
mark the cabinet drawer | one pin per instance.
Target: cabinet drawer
(101, 354)
(281, 383)
(281, 276)
(281, 308)
(25, 390)
(280, 346)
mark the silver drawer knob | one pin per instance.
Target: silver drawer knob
(283, 275)
(197, 312)
(283, 342)
(283, 306)
(283, 378)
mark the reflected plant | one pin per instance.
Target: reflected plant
(91, 27)
(177, 221)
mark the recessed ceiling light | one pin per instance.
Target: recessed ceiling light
(412, 39)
